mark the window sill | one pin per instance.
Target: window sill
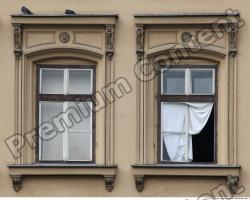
(18, 172)
(230, 172)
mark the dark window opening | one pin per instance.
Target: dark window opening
(203, 143)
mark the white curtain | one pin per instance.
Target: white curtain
(179, 122)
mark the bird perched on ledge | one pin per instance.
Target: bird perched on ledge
(26, 11)
(70, 12)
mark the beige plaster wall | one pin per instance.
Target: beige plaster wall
(125, 108)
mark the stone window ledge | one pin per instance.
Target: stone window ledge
(19, 172)
(230, 172)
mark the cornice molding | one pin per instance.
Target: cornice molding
(187, 18)
(90, 19)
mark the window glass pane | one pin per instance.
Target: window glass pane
(82, 115)
(51, 140)
(79, 146)
(79, 81)
(52, 81)
(49, 110)
(202, 81)
(52, 149)
(174, 82)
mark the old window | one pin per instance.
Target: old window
(187, 115)
(65, 113)
(62, 119)
(187, 103)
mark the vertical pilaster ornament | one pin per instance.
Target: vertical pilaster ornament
(139, 183)
(17, 40)
(140, 42)
(110, 34)
(17, 181)
(109, 182)
(233, 32)
(233, 183)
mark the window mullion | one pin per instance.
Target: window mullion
(66, 81)
(187, 82)
(65, 133)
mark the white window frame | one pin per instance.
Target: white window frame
(188, 80)
(188, 91)
(65, 107)
(66, 79)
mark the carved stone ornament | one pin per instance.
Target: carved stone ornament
(17, 40)
(139, 183)
(233, 30)
(109, 182)
(110, 41)
(233, 183)
(17, 181)
(186, 37)
(64, 37)
(140, 42)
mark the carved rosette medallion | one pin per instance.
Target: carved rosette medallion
(64, 37)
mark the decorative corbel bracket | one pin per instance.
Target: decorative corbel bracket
(17, 181)
(18, 40)
(233, 33)
(139, 41)
(110, 34)
(109, 182)
(139, 183)
(232, 183)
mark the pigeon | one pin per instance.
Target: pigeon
(69, 12)
(26, 11)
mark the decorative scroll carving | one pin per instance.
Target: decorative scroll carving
(17, 182)
(17, 40)
(110, 33)
(140, 42)
(233, 183)
(64, 37)
(233, 31)
(139, 183)
(109, 182)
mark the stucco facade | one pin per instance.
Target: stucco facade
(116, 36)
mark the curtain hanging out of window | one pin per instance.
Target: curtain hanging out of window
(179, 122)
